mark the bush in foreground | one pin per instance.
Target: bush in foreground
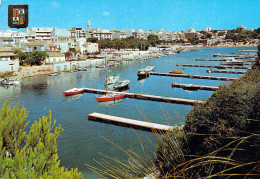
(31, 154)
(220, 137)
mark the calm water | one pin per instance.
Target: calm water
(81, 140)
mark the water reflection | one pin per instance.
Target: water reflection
(109, 103)
(73, 97)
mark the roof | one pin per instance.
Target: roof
(51, 45)
(6, 50)
(8, 55)
(7, 38)
(34, 43)
(56, 55)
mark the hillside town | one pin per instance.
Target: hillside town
(67, 50)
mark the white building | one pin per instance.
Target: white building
(101, 34)
(55, 58)
(78, 32)
(9, 62)
(41, 34)
(191, 31)
(60, 32)
(91, 47)
(117, 34)
(207, 29)
(241, 28)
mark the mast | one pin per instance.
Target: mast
(106, 72)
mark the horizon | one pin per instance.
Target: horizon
(146, 15)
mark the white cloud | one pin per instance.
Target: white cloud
(106, 13)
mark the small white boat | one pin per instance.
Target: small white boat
(8, 81)
(121, 84)
(111, 79)
(147, 69)
(73, 91)
(217, 55)
(53, 74)
(232, 61)
(100, 66)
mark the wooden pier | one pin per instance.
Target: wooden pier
(128, 122)
(193, 76)
(194, 87)
(205, 59)
(213, 66)
(224, 71)
(147, 97)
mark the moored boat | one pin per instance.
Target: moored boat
(53, 74)
(232, 61)
(8, 81)
(73, 91)
(217, 55)
(110, 97)
(121, 84)
(111, 79)
(176, 72)
(143, 74)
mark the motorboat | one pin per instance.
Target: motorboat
(232, 61)
(147, 69)
(143, 74)
(73, 91)
(176, 72)
(8, 81)
(110, 97)
(53, 74)
(100, 66)
(111, 79)
(121, 84)
(217, 55)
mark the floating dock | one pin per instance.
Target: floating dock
(224, 71)
(194, 87)
(213, 66)
(205, 59)
(193, 76)
(129, 122)
(147, 97)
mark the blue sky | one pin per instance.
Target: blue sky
(138, 14)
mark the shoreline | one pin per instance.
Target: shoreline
(34, 71)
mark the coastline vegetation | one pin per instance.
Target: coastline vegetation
(32, 58)
(29, 152)
(220, 137)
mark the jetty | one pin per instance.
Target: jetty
(225, 71)
(193, 76)
(129, 122)
(194, 87)
(147, 97)
(213, 66)
(205, 59)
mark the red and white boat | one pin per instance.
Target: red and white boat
(72, 91)
(110, 97)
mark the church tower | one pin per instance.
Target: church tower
(88, 25)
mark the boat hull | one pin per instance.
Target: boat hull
(110, 98)
(72, 93)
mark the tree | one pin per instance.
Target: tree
(92, 40)
(31, 154)
(38, 57)
(153, 40)
(22, 56)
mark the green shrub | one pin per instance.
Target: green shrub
(31, 154)
(230, 117)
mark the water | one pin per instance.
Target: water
(81, 141)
